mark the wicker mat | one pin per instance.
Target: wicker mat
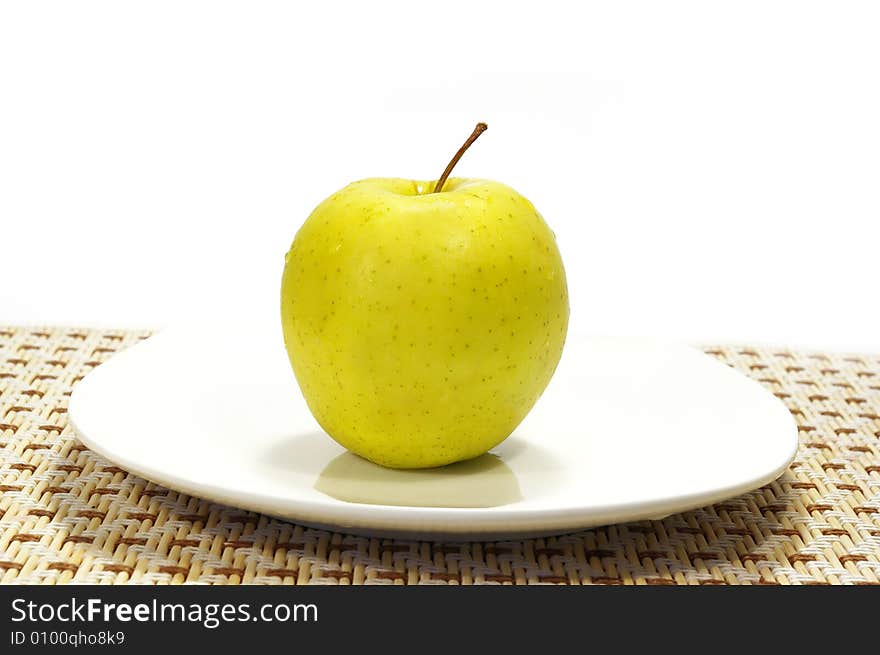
(68, 515)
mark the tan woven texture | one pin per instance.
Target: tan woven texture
(68, 515)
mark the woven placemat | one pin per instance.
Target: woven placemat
(68, 515)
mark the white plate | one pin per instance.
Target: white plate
(628, 429)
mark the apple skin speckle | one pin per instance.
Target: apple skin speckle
(423, 327)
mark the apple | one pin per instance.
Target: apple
(423, 319)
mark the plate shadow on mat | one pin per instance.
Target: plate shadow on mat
(612, 552)
(736, 532)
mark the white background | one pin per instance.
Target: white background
(712, 170)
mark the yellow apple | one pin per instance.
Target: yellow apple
(423, 326)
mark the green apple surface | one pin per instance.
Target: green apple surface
(422, 327)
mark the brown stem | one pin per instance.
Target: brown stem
(478, 130)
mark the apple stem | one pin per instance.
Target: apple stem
(478, 130)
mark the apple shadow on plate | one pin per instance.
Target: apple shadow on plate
(484, 481)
